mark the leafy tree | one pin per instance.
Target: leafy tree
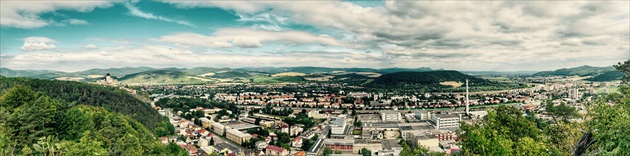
(338, 151)
(366, 152)
(327, 151)
(358, 123)
(562, 111)
(501, 132)
(306, 144)
(47, 126)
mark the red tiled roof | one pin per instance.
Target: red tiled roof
(275, 148)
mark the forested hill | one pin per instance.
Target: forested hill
(110, 98)
(579, 71)
(32, 123)
(424, 78)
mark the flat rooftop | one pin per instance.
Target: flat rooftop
(390, 143)
(380, 125)
(447, 115)
(242, 126)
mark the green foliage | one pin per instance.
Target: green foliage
(503, 131)
(625, 69)
(425, 78)
(607, 76)
(366, 152)
(39, 125)
(110, 98)
(610, 124)
(327, 151)
(430, 82)
(561, 111)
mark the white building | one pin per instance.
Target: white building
(390, 116)
(339, 127)
(445, 121)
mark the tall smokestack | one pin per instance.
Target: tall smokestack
(467, 98)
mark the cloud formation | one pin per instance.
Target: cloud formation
(38, 43)
(76, 22)
(25, 14)
(135, 11)
(463, 35)
(247, 38)
(446, 31)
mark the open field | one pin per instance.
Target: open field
(266, 79)
(288, 74)
(455, 84)
(611, 89)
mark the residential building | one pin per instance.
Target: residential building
(297, 142)
(205, 122)
(204, 141)
(218, 128)
(272, 150)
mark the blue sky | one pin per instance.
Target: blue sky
(461, 35)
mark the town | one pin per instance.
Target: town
(256, 119)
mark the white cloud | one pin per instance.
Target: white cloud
(25, 14)
(541, 35)
(135, 11)
(39, 39)
(38, 43)
(90, 46)
(247, 38)
(37, 46)
(76, 22)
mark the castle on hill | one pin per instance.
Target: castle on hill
(108, 81)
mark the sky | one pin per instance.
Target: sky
(459, 35)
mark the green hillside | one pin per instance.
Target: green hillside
(424, 78)
(159, 77)
(201, 70)
(231, 74)
(118, 72)
(32, 123)
(110, 98)
(268, 79)
(23, 73)
(607, 76)
(577, 71)
(430, 82)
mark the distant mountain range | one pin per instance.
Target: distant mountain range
(209, 74)
(597, 73)
(23, 73)
(330, 70)
(577, 71)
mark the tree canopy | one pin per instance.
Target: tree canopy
(34, 124)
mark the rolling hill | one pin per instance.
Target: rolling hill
(112, 99)
(577, 71)
(159, 77)
(607, 76)
(424, 78)
(23, 73)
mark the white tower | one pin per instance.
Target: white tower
(467, 98)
